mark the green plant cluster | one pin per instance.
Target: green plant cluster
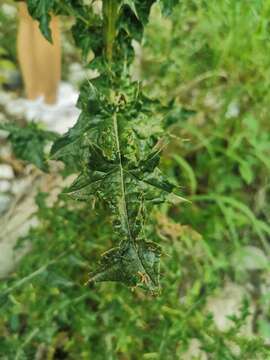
(47, 311)
(224, 162)
(220, 155)
(7, 41)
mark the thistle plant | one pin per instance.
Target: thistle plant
(117, 141)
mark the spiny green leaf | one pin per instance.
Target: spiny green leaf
(116, 143)
(132, 264)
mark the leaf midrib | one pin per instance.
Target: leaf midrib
(122, 183)
(124, 204)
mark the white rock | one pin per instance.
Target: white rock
(250, 258)
(9, 255)
(76, 73)
(194, 351)
(16, 107)
(6, 172)
(5, 98)
(233, 110)
(228, 302)
(4, 202)
(97, 7)
(5, 151)
(4, 186)
(19, 185)
(211, 101)
(9, 10)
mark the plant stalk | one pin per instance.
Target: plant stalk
(110, 11)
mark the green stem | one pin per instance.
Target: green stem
(110, 14)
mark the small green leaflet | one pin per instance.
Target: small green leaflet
(28, 143)
(41, 10)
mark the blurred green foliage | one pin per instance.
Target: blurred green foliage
(50, 311)
(213, 57)
(8, 27)
(29, 142)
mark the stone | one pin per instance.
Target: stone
(194, 351)
(226, 302)
(5, 98)
(19, 185)
(233, 110)
(5, 186)
(4, 202)
(250, 258)
(5, 150)
(9, 10)
(6, 172)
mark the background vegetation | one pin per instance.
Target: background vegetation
(213, 56)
